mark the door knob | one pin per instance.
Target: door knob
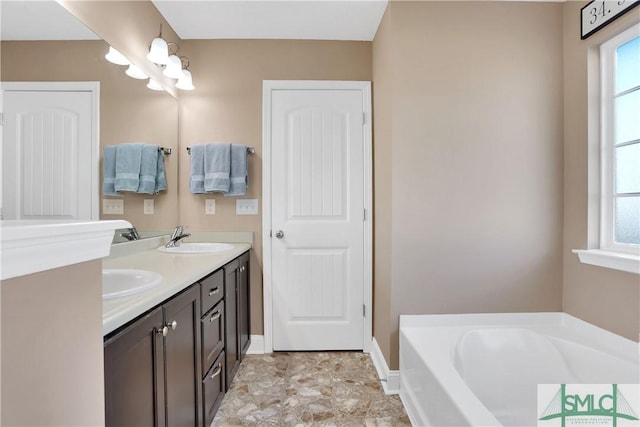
(279, 234)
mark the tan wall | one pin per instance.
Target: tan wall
(227, 106)
(605, 297)
(476, 158)
(43, 316)
(383, 81)
(129, 111)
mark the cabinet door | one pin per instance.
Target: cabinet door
(231, 320)
(244, 311)
(134, 374)
(182, 359)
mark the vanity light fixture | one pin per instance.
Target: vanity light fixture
(185, 81)
(136, 72)
(159, 50)
(154, 85)
(116, 57)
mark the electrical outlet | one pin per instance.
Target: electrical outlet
(148, 207)
(247, 207)
(210, 206)
(113, 206)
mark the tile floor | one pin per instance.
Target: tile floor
(309, 389)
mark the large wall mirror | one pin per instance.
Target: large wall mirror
(129, 111)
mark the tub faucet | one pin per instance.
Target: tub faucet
(176, 237)
(131, 234)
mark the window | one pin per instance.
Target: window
(619, 196)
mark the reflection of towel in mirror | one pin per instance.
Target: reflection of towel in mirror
(196, 183)
(238, 173)
(109, 170)
(128, 159)
(148, 169)
(217, 163)
(161, 177)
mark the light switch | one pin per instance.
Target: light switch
(210, 206)
(113, 206)
(247, 207)
(148, 207)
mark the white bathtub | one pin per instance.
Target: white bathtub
(483, 369)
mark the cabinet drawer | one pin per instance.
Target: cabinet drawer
(212, 335)
(211, 290)
(213, 389)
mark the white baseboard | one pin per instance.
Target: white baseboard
(389, 379)
(257, 345)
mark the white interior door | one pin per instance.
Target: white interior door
(317, 219)
(49, 155)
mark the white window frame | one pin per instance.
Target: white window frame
(603, 250)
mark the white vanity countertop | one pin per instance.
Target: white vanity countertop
(179, 271)
(31, 246)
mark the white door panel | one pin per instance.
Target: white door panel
(317, 202)
(48, 155)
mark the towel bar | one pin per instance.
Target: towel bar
(165, 150)
(250, 150)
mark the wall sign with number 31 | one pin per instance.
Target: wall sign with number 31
(599, 13)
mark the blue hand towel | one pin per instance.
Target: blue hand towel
(238, 173)
(217, 163)
(128, 159)
(109, 170)
(196, 183)
(148, 168)
(161, 177)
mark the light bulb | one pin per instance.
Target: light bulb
(174, 67)
(116, 57)
(185, 82)
(154, 85)
(159, 51)
(136, 72)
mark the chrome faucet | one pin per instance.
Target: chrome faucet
(176, 237)
(131, 234)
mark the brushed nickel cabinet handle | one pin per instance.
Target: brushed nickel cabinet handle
(214, 291)
(215, 316)
(216, 372)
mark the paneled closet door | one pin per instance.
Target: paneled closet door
(48, 155)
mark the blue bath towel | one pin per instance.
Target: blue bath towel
(148, 168)
(128, 160)
(161, 177)
(238, 173)
(217, 164)
(109, 170)
(196, 183)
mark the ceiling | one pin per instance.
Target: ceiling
(211, 19)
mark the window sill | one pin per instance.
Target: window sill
(608, 259)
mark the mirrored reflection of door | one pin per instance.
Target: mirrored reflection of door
(49, 155)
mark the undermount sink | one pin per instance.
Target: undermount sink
(123, 282)
(197, 248)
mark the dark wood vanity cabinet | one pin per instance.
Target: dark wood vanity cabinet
(134, 374)
(237, 329)
(152, 367)
(172, 366)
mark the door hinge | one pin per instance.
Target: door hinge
(364, 214)
(364, 118)
(1, 119)
(364, 310)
